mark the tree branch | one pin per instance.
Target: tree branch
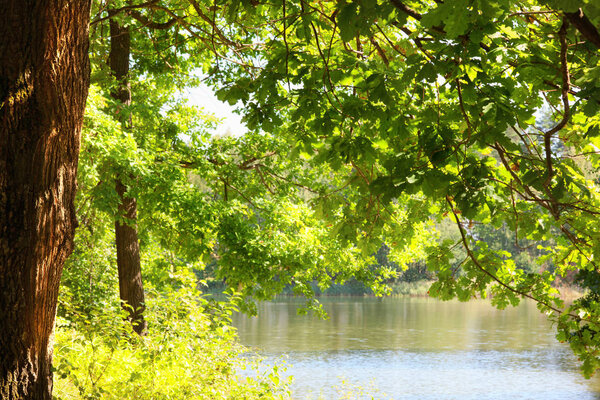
(151, 24)
(211, 22)
(566, 84)
(416, 15)
(379, 51)
(406, 10)
(125, 8)
(584, 26)
(488, 273)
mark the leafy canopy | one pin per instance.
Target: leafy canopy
(401, 112)
(485, 112)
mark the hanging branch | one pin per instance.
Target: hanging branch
(212, 22)
(492, 276)
(327, 72)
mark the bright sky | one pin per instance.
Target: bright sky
(203, 96)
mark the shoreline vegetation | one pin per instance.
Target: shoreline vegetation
(418, 288)
(190, 351)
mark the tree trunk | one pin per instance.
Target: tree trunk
(131, 289)
(44, 79)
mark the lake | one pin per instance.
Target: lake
(416, 348)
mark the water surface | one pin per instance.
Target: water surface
(417, 348)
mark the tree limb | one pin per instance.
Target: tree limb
(584, 26)
(488, 273)
(124, 8)
(406, 10)
(151, 24)
(566, 84)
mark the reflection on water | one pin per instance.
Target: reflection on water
(418, 348)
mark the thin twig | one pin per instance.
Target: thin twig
(463, 111)
(531, 13)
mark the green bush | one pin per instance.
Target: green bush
(189, 352)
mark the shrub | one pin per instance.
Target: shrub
(189, 352)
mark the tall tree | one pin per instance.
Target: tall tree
(44, 78)
(163, 145)
(131, 289)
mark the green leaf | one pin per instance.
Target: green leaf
(346, 20)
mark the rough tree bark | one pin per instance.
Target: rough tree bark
(131, 289)
(44, 79)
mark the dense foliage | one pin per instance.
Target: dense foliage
(189, 351)
(372, 122)
(438, 106)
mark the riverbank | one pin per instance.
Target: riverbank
(419, 288)
(351, 288)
